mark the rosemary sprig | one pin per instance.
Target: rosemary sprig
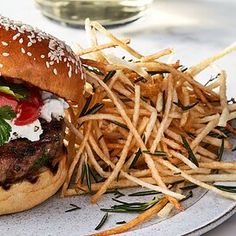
(224, 130)
(116, 192)
(140, 79)
(129, 88)
(136, 157)
(156, 153)
(74, 208)
(120, 124)
(189, 187)
(143, 193)
(93, 70)
(191, 155)
(109, 75)
(215, 135)
(164, 101)
(98, 106)
(118, 177)
(221, 149)
(131, 207)
(230, 189)
(102, 222)
(88, 177)
(83, 174)
(120, 222)
(189, 195)
(211, 79)
(86, 106)
(185, 108)
(183, 68)
(231, 100)
(93, 174)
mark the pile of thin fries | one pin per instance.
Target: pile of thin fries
(148, 123)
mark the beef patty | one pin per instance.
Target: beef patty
(21, 157)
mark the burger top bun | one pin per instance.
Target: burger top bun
(40, 59)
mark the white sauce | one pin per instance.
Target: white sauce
(31, 131)
(53, 107)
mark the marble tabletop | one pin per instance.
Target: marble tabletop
(195, 28)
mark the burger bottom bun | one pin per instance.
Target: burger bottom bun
(25, 195)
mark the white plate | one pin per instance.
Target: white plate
(194, 38)
(204, 211)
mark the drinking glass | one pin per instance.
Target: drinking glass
(107, 12)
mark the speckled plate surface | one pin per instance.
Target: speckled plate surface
(204, 211)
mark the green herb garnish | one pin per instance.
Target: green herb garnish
(39, 163)
(191, 155)
(231, 100)
(189, 195)
(211, 79)
(131, 207)
(183, 68)
(137, 155)
(93, 70)
(185, 108)
(121, 222)
(116, 192)
(156, 153)
(230, 189)
(221, 149)
(224, 130)
(95, 109)
(74, 208)
(88, 177)
(215, 135)
(86, 106)
(102, 222)
(189, 187)
(140, 79)
(109, 75)
(6, 113)
(143, 193)
(120, 124)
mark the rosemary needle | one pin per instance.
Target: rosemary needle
(102, 222)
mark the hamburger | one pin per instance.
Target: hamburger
(38, 74)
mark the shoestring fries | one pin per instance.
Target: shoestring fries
(148, 123)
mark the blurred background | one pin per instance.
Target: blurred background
(195, 28)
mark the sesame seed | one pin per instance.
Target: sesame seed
(55, 71)
(69, 73)
(47, 64)
(4, 43)
(34, 59)
(16, 36)
(58, 51)
(5, 54)
(1, 65)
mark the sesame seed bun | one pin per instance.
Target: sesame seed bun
(39, 59)
(25, 195)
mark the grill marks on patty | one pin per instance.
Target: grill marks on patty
(22, 158)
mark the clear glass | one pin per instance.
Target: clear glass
(107, 12)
